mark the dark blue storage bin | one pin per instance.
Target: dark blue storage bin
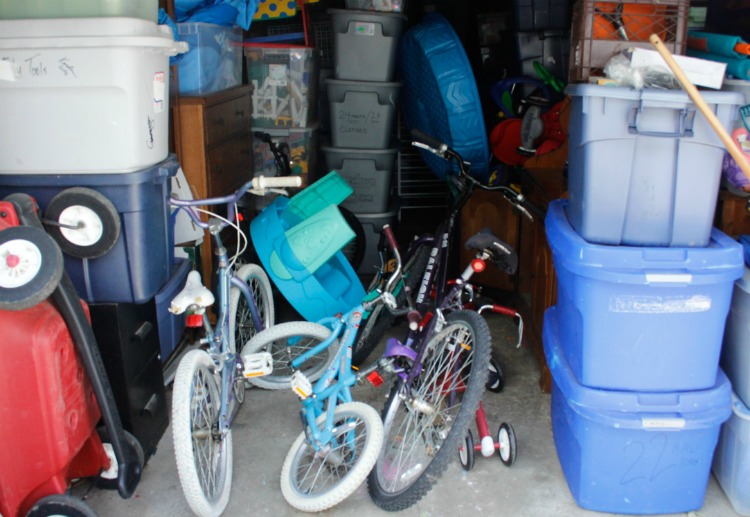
(171, 326)
(140, 262)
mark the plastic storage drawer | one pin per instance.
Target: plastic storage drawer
(285, 84)
(89, 95)
(363, 114)
(732, 457)
(368, 171)
(140, 262)
(171, 326)
(647, 318)
(214, 60)
(735, 352)
(644, 166)
(633, 452)
(365, 44)
(303, 149)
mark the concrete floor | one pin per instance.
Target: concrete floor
(268, 423)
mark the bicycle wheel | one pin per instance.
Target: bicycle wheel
(371, 332)
(31, 266)
(424, 429)
(313, 481)
(203, 455)
(285, 342)
(88, 224)
(241, 326)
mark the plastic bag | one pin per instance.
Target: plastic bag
(619, 69)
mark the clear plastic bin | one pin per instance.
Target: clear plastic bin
(214, 61)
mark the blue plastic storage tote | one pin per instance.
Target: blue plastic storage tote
(732, 459)
(140, 262)
(629, 451)
(644, 166)
(641, 318)
(735, 351)
(171, 326)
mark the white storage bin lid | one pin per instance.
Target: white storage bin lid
(88, 32)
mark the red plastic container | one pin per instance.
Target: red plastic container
(47, 409)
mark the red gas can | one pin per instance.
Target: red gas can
(48, 412)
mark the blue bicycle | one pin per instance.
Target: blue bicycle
(342, 438)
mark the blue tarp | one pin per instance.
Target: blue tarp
(220, 12)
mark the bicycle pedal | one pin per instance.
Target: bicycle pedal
(301, 385)
(257, 365)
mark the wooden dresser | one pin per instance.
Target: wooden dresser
(213, 141)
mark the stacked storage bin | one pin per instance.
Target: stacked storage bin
(84, 106)
(284, 79)
(362, 98)
(542, 33)
(644, 289)
(732, 460)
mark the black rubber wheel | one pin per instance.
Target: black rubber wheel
(108, 480)
(61, 504)
(97, 219)
(507, 451)
(354, 251)
(425, 424)
(496, 380)
(466, 452)
(31, 266)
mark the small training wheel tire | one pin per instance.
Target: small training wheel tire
(100, 219)
(506, 438)
(31, 266)
(466, 452)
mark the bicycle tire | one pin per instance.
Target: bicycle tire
(315, 495)
(241, 326)
(371, 332)
(285, 342)
(195, 414)
(35, 270)
(97, 214)
(409, 430)
(354, 251)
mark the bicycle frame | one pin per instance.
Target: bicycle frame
(335, 384)
(230, 365)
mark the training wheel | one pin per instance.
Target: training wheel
(466, 452)
(506, 444)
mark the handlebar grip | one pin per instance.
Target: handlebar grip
(388, 232)
(428, 140)
(263, 182)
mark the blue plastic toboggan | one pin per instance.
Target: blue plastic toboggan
(440, 96)
(299, 243)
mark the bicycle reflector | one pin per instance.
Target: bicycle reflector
(194, 320)
(478, 265)
(375, 378)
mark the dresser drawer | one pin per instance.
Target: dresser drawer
(225, 119)
(229, 165)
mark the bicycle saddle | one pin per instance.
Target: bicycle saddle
(193, 294)
(501, 254)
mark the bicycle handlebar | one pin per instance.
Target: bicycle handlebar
(263, 182)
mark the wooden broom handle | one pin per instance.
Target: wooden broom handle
(695, 95)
